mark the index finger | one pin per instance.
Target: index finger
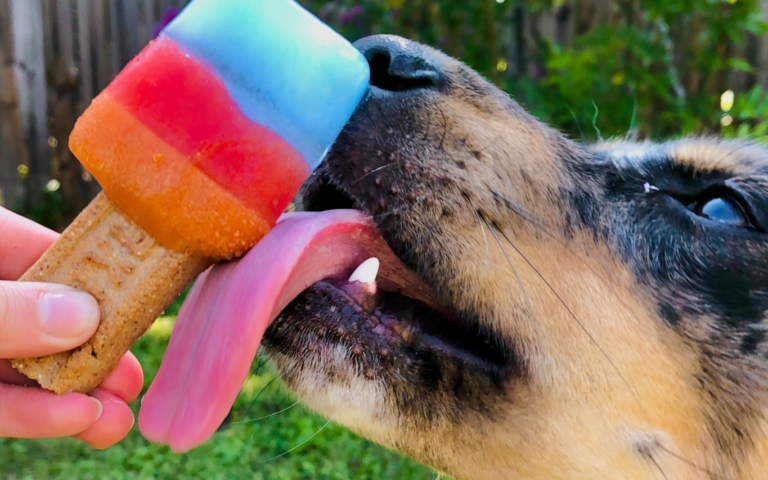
(22, 242)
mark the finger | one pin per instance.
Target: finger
(11, 376)
(34, 413)
(38, 319)
(22, 242)
(113, 425)
(126, 380)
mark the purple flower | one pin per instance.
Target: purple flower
(350, 14)
(167, 18)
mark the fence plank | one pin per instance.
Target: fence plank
(12, 152)
(89, 188)
(114, 36)
(99, 29)
(128, 24)
(65, 35)
(64, 107)
(50, 29)
(150, 19)
(30, 81)
(165, 5)
(85, 54)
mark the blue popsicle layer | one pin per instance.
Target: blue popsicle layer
(283, 67)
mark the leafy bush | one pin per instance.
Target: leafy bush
(652, 69)
(748, 117)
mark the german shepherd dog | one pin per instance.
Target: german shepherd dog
(600, 311)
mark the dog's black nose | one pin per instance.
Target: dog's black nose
(399, 65)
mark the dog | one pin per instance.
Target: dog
(600, 311)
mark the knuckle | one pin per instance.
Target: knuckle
(14, 313)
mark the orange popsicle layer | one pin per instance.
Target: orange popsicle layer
(160, 189)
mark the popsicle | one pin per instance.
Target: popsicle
(200, 144)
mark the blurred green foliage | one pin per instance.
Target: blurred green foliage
(652, 69)
(749, 116)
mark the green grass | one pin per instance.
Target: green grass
(240, 450)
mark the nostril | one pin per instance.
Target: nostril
(380, 62)
(402, 73)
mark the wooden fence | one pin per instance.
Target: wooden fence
(55, 56)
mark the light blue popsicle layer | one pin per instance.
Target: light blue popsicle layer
(284, 68)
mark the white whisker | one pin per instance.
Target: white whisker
(304, 442)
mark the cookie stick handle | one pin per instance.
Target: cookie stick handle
(131, 276)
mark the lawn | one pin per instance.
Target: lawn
(242, 449)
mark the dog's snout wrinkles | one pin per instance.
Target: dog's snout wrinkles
(399, 65)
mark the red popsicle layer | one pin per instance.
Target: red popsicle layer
(174, 152)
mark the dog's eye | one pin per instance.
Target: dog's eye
(722, 209)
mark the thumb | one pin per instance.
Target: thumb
(39, 319)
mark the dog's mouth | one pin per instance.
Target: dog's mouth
(308, 253)
(391, 311)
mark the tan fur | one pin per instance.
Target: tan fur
(709, 155)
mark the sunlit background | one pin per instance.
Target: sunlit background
(596, 69)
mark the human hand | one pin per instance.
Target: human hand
(39, 319)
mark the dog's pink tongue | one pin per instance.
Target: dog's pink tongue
(222, 322)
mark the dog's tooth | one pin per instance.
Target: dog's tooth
(366, 272)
